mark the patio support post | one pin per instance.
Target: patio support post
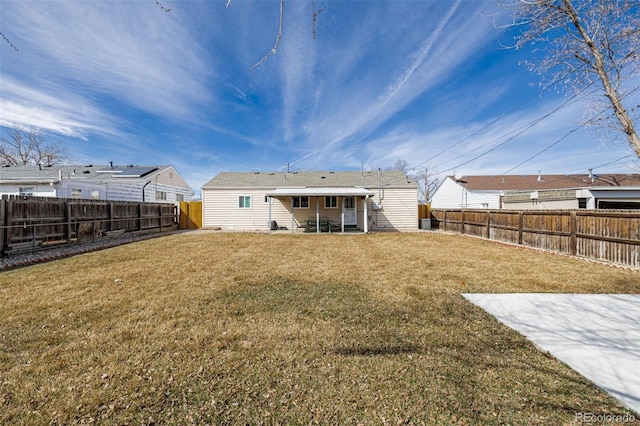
(366, 215)
(342, 215)
(292, 221)
(269, 223)
(317, 215)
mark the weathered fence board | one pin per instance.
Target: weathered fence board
(607, 235)
(190, 215)
(34, 222)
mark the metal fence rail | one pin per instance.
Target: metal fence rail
(34, 223)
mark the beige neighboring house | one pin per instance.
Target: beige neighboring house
(122, 183)
(349, 201)
(539, 192)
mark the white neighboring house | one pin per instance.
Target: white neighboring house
(122, 183)
(539, 192)
(369, 201)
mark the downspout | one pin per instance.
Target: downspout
(143, 187)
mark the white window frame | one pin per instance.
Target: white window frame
(26, 191)
(75, 193)
(179, 197)
(299, 203)
(242, 201)
(330, 204)
(161, 195)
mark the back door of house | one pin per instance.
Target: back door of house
(350, 213)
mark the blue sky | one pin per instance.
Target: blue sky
(427, 82)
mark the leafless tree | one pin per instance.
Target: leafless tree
(21, 147)
(400, 166)
(588, 41)
(427, 182)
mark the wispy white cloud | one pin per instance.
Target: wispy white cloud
(497, 148)
(132, 52)
(68, 115)
(360, 109)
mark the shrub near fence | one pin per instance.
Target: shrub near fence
(607, 235)
(31, 223)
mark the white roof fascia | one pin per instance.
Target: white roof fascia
(321, 191)
(29, 181)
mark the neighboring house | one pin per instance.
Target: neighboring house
(539, 192)
(123, 183)
(368, 201)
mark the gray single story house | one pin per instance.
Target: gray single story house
(122, 183)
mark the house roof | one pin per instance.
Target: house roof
(272, 180)
(91, 173)
(321, 191)
(542, 182)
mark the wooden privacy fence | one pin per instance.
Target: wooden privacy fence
(608, 235)
(190, 215)
(31, 223)
(424, 211)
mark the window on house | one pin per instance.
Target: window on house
(244, 201)
(301, 202)
(582, 203)
(161, 195)
(76, 193)
(331, 202)
(26, 191)
(95, 195)
(179, 197)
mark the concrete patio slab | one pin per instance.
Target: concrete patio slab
(598, 335)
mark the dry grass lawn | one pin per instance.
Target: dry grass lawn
(230, 328)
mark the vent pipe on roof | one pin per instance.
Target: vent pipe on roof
(539, 175)
(592, 176)
(111, 164)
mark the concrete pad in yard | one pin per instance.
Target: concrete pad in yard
(598, 335)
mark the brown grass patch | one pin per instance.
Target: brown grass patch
(210, 328)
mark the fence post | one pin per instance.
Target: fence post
(574, 231)
(462, 222)
(3, 225)
(139, 216)
(111, 216)
(160, 210)
(68, 220)
(488, 224)
(520, 226)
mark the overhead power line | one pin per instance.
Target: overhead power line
(591, 120)
(524, 129)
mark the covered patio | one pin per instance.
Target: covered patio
(343, 198)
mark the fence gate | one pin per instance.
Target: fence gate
(190, 215)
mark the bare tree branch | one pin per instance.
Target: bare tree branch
(274, 49)
(587, 40)
(21, 147)
(9, 42)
